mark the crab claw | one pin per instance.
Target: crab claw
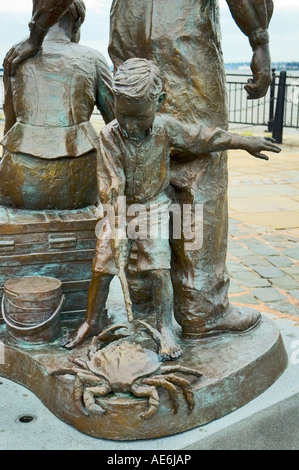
(109, 335)
(157, 337)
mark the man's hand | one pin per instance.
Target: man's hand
(18, 54)
(255, 145)
(253, 18)
(257, 87)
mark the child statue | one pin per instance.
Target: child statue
(50, 146)
(134, 162)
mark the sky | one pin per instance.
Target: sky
(284, 31)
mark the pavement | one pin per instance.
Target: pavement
(263, 249)
(263, 261)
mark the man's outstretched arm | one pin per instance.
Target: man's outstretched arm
(46, 13)
(253, 18)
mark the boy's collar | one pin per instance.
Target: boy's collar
(125, 134)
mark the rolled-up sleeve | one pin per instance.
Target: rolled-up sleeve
(196, 138)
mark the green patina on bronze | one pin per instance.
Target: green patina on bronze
(184, 39)
(180, 155)
(50, 146)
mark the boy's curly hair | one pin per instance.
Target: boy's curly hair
(138, 79)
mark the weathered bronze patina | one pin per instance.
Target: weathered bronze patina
(126, 367)
(235, 369)
(122, 388)
(184, 39)
(58, 244)
(31, 308)
(134, 164)
(50, 146)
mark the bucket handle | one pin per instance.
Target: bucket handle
(30, 328)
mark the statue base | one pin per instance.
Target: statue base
(235, 369)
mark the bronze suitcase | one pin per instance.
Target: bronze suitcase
(58, 244)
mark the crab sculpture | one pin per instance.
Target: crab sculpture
(125, 367)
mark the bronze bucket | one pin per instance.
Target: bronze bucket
(31, 308)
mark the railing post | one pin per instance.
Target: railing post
(279, 114)
(272, 101)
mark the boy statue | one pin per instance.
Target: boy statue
(134, 162)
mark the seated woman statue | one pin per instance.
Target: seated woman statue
(50, 146)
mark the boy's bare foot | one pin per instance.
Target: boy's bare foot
(86, 330)
(169, 349)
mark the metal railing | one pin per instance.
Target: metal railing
(251, 112)
(240, 109)
(282, 97)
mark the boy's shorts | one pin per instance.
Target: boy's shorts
(147, 254)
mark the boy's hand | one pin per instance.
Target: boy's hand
(256, 145)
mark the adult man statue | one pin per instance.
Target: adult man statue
(183, 37)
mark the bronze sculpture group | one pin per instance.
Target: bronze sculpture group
(165, 142)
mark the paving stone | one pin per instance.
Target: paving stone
(285, 282)
(251, 280)
(234, 222)
(284, 307)
(295, 293)
(231, 242)
(267, 294)
(240, 252)
(236, 249)
(292, 271)
(255, 260)
(263, 250)
(234, 231)
(292, 253)
(280, 261)
(244, 299)
(276, 241)
(268, 273)
(293, 233)
(235, 267)
(235, 288)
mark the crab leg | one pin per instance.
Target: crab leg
(141, 391)
(79, 362)
(89, 398)
(83, 378)
(65, 371)
(182, 369)
(186, 389)
(78, 393)
(160, 381)
(157, 337)
(109, 335)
